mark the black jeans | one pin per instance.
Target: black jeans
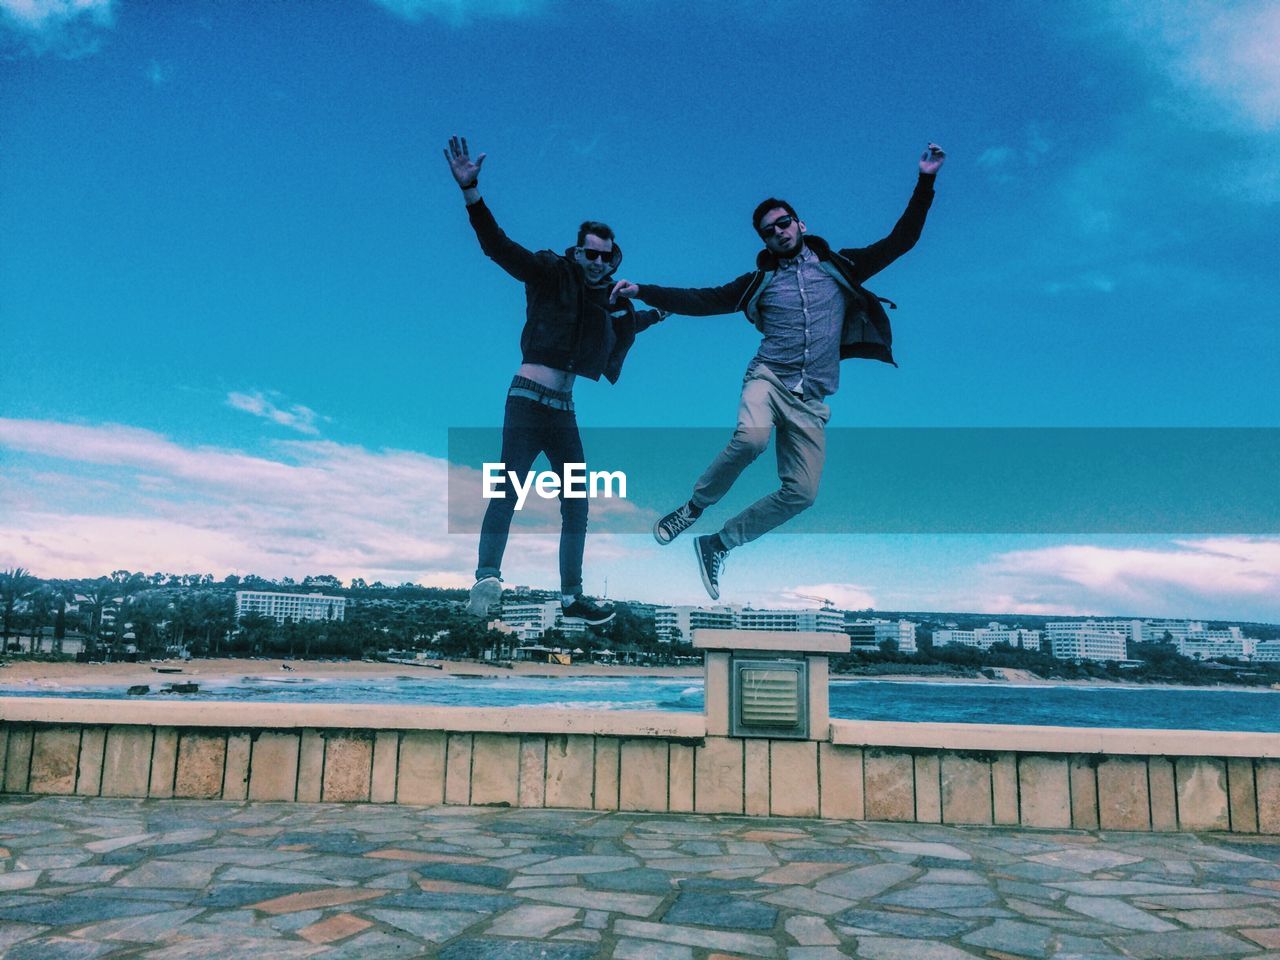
(530, 428)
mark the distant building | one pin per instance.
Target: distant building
(290, 606)
(1266, 651)
(679, 622)
(869, 634)
(1133, 631)
(642, 611)
(983, 638)
(824, 620)
(668, 620)
(1089, 639)
(1156, 631)
(1202, 644)
(530, 620)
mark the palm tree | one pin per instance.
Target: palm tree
(101, 594)
(149, 613)
(15, 585)
(256, 632)
(62, 592)
(215, 617)
(42, 603)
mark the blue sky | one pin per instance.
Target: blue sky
(242, 304)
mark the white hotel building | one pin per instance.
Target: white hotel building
(1108, 639)
(1090, 639)
(530, 620)
(792, 621)
(869, 634)
(668, 620)
(1195, 640)
(290, 606)
(983, 637)
(1266, 651)
(1202, 644)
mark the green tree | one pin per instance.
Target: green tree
(325, 581)
(15, 584)
(256, 633)
(42, 607)
(149, 614)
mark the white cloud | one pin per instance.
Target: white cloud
(1212, 577)
(82, 500)
(845, 596)
(1208, 124)
(1223, 55)
(157, 73)
(460, 12)
(313, 507)
(1091, 281)
(70, 28)
(296, 416)
(1004, 163)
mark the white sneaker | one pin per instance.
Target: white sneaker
(486, 593)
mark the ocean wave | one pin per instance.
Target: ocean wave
(593, 705)
(1046, 685)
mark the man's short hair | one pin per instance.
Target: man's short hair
(601, 230)
(765, 206)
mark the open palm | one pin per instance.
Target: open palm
(465, 170)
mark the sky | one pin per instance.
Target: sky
(241, 306)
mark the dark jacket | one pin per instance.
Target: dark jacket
(554, 286)
(866, 325)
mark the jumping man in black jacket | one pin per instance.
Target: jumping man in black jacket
(808, 302)
(570, 330)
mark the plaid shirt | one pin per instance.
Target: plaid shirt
(803, 312)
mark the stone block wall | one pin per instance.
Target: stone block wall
(707, 774)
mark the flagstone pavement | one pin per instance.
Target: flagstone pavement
(172, 880)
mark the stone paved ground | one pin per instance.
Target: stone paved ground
(163, 879)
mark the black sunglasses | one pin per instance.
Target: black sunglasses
(594, 255)
(780, 224)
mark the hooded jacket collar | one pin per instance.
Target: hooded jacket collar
(767, 260)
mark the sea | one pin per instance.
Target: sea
(1072, 705)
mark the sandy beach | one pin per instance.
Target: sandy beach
(21, 672)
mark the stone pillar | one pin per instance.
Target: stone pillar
(722, 647)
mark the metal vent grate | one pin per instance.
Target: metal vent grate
(769, 698)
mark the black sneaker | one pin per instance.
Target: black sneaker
(674, 523)
(588, 611)
(486, 593)
(710, 563)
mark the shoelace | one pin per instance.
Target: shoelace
(680, 521)
(718, 558)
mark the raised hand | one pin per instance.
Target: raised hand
(930, 161)
(623, 288)
(465, 170)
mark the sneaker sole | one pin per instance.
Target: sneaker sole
(702, 569)
(482, 600)
(591, 623)
(657, 533)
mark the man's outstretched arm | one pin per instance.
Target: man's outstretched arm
(522, 264)
(870, 260)
(690, 301)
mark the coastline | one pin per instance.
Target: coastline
(22, 671)
(126, 674)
